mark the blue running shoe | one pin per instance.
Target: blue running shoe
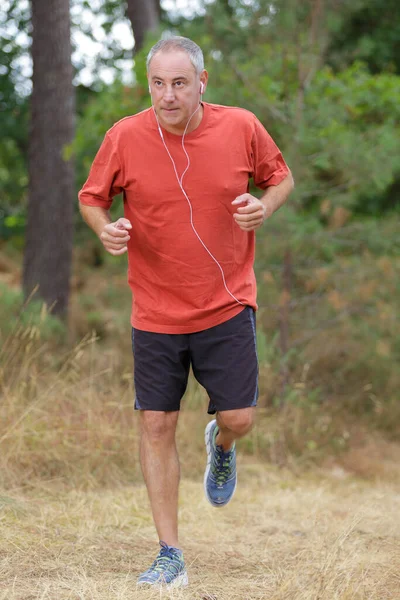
(220, 477)
(167, 570)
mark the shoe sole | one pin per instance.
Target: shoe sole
(207, 438)
(181, 581)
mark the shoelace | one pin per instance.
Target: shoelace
(164, 559)
(222, 466)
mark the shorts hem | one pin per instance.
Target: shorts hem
(185, 330)
(157, 409)
(212, 410)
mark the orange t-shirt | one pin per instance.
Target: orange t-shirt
(176, 286)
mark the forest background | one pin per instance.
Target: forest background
(324, 78)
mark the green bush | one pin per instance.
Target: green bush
(15, 314)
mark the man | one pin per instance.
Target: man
(184, 167)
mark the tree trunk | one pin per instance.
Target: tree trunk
(144, 16)
(48, 249)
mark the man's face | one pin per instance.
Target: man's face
(175, 89)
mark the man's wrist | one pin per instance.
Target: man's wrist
(266, 209)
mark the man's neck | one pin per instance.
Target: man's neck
(195, 121)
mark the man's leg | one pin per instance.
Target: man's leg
(160, 467)
(224, 360)
(161, 369)
(232, 425)
(220, 478)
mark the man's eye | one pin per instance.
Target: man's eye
(179, 83)
(157, 83)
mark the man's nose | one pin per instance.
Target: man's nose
(169, 94)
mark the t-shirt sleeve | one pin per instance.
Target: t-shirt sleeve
(269, 167)
(105, 178)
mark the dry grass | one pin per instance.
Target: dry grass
(69, 415)
(281, 538)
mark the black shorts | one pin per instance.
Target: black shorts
(223, 359)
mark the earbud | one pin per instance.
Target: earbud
(201, 88)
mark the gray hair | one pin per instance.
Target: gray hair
(184, 44)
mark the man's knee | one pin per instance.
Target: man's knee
(239, 421)
(158, 425)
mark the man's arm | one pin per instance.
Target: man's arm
(255, 211)
(276, 195)
(114, 236)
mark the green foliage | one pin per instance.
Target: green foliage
(350, 135)
(370, 32)
(338, 131)
(13, 180)
(12, 225)
(13, 111)
(343, 330)
(31, 316)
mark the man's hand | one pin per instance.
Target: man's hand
(255, 211)
(250, 216)
(115, 236)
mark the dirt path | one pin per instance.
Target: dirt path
(321, 538)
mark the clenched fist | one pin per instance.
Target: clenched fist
(115, 236)
(251, 215)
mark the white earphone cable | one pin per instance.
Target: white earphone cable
(180, 182)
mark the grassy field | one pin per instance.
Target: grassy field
(329, 536)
